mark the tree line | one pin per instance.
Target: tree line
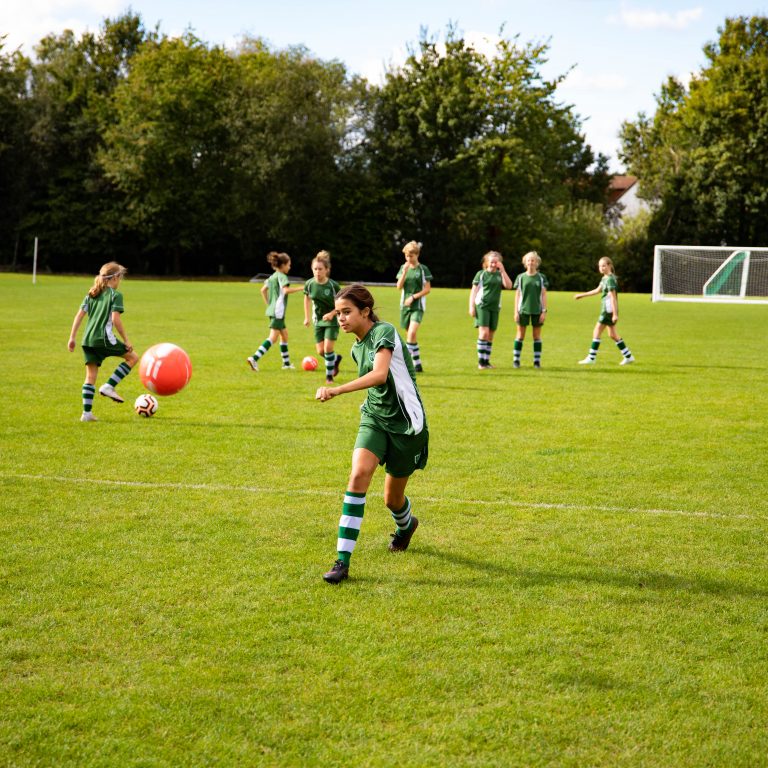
(173, 156)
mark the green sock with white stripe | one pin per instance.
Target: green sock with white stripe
(263, 349)
(349, 524)
(284, 354)
(330, 364)
(88, 392)
(402, 517)
(593, 349)
(517, 349)
(120, 373)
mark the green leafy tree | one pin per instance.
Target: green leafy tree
(703, 154)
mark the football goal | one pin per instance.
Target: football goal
(716, 274)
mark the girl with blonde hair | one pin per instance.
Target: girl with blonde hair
(414, 281)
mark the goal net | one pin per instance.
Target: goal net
(717, 274)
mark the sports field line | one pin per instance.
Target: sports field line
(218, 488)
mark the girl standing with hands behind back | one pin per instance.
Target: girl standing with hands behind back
(414, 281)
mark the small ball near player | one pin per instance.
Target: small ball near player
(165, 369)
(309, 363)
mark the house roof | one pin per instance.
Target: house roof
(618, 185)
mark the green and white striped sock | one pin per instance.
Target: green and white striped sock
(263, 349)
(624, 349)
(517, 350)
(482, 352)
(350, 521)
(593, 349)
(402, 517)
(120, 373)
(537, 345)
(88, 392)
(330, 364)
(284, 353)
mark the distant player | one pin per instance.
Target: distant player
(393, 425)
(414, 281)
(275, 294)
(485, 303)
(530, 307)
(609, 314)
(319, 301)
(103, 304)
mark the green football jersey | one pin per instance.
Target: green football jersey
(488, 294)
(394, 406)
(414, 282)
(98, 330)
(275, 296)
(323, 297)
(531, 291)
(608, 284)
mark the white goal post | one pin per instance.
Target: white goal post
(722, 274)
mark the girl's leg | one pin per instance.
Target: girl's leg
(88, 391)
(264, 347)
(283, 332)
(364, 463)
(413, 345)
(592, 354)
(623, 348)
(122, 370)
(483, 346)
(400, 507)
(517, 348)
(330, 358)
(537, 346)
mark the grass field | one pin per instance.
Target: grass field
(588, 586)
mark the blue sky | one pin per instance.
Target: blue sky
(620, 51)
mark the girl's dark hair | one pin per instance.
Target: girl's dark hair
(361, 297)
(276, 259)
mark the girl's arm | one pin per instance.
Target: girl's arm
(375, 377)
(265, 293)
(117, 324)
(307, 308)
(292, 289)
(424, 291)
(544, 302)
(588, 293)
(517, 304)
(506, 280)
(615, 305)
(75, 325)
(401, 280)
(472, 294)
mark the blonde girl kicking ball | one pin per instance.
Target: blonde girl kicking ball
(530, 307)
(319, 299)
(485, 303)
(275, 294)
(609, 314)
(393, 425)
(414, 281)
(103, 305)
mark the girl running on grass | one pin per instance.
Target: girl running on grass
(414, 281)
(530, 306)
(609, 314)
(485, 303)
(275, 294)
(320, 296)
(393, 425)
(103, 304)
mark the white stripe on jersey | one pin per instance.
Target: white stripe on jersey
(405, 388)
(479, 294)
(280, 305)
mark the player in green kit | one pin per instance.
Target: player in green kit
(609, 314)
(393, 425)
(414, 281)
(103, 305)
(530, 307)
(275, 294)
(320, 300)
(485, 303)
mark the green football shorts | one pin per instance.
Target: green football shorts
(97, 355)
(408, 316)
(401, 454)
(486, 318)
(606, 318)
(275, 324)
(525, 319)
(330, 332)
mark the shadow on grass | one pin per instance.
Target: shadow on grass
(639, 580)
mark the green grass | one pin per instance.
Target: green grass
(588, 585)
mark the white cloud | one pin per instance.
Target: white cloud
(26, 22)
(646, 18)
(578, 81)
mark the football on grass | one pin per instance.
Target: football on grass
(309, 363)
(165, 369)
(145, 405)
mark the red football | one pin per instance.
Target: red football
(309, 363)
(165, 369)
